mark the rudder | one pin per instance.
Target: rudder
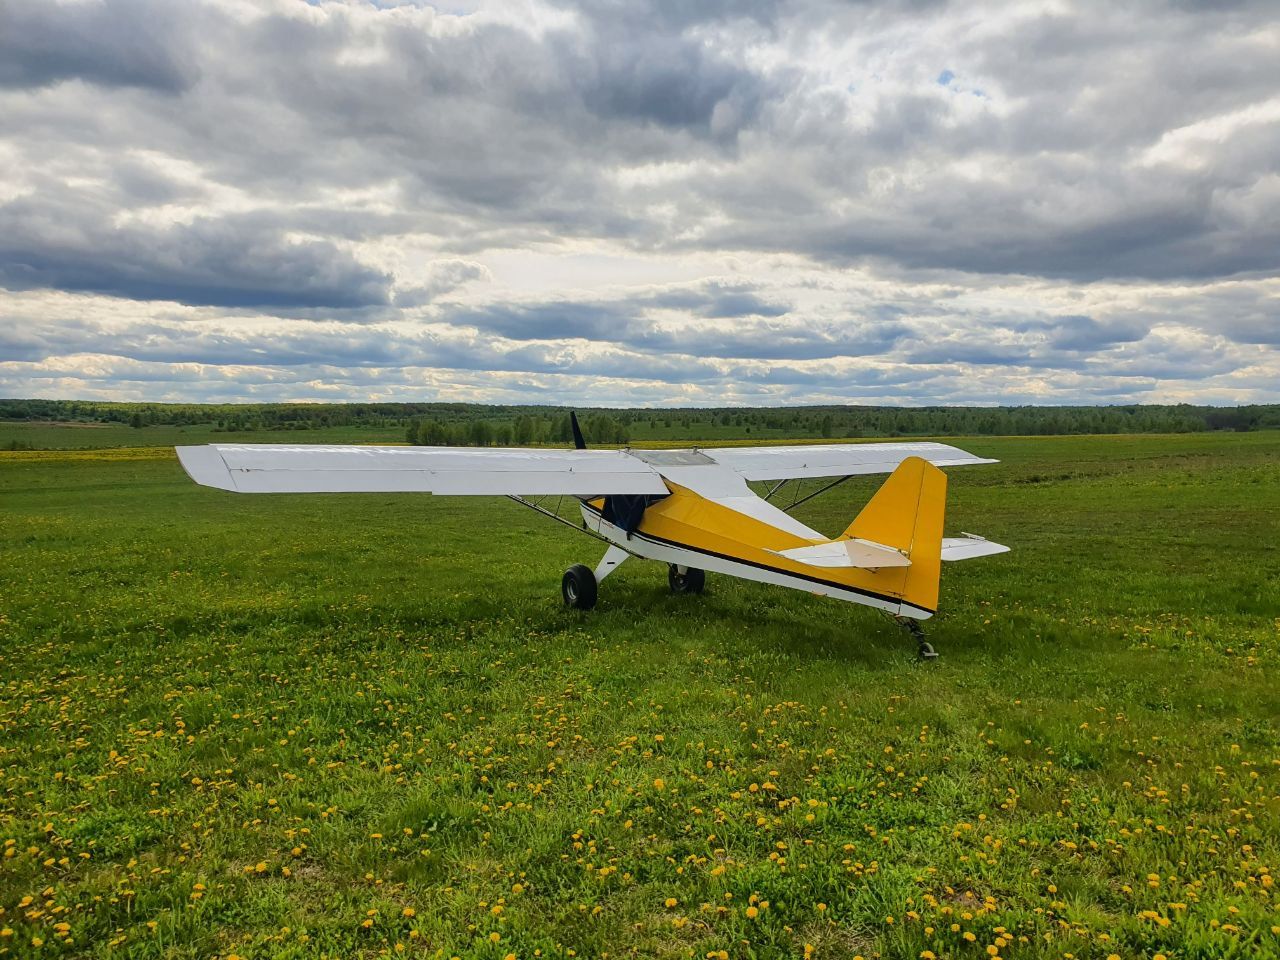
(906, 513)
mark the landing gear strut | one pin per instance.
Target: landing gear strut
(581, 585)
(686, 579)
(923, 646)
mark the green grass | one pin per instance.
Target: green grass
(329, 726)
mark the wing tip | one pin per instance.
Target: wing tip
(206, 467)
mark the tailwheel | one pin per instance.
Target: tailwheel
(923, 646)
(686, 579)
(579, 588)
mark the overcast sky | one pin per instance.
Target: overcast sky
(612, 202)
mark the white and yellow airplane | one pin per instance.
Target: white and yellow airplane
(690, 509)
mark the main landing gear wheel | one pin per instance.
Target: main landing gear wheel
(686, 579)
(579, 587)
(923, 646)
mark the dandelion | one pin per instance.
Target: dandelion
(752, 913)
(659, 784)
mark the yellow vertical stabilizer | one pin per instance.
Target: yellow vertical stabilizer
(906, 513)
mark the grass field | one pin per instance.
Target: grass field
(365, 725)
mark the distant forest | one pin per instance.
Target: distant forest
(462, 424)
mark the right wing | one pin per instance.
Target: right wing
(280, 468)
(834, 459)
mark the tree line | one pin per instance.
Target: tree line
(525, 430)
(460, 424)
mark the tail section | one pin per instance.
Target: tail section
(897, 540)
(906, 514)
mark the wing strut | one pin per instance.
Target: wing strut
(538, 504)
(820, 490)
(797, 499)
(775, 488)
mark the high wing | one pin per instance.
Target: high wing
(277, 468)
(834, 459)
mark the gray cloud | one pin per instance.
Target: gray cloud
(124, 43)
(445, 277)
(1083, 183)
(221, 262)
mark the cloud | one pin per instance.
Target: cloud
(444, 276)
(773, 200)
(120, 43)
(218, 262)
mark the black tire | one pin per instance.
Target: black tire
(579, 587)
(692, 580)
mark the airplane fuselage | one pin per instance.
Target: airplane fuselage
(711, 520)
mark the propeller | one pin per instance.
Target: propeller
(578, 442)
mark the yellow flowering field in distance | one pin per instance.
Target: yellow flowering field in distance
(364, 726)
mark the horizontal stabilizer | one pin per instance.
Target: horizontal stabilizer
(852, 552)
(968, 546)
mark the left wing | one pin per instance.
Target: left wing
(834, 459)
(280, 468)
